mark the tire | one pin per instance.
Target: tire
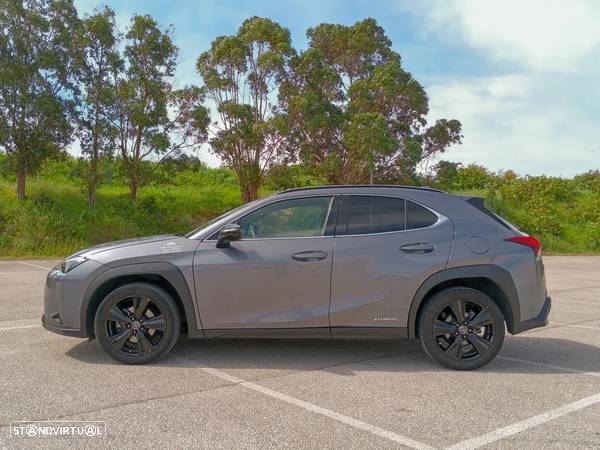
(465, 346)
(137, 323)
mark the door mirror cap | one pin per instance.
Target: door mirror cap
(229, 233)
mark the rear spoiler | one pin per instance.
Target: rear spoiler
(477, 202)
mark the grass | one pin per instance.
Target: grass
(55, 220)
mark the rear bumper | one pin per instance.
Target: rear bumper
(59, 329)
(540, 320)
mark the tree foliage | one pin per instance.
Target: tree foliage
(242, 74)
(36, 72)
(145, 101)
(354, 113)
(344, 108)
(99, 64)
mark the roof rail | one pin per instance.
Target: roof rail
(396, 186)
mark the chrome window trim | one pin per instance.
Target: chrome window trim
(440, 217)
(276, 239)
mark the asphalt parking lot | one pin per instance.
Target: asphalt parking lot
(542, 392)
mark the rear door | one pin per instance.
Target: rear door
(277, 277)
(385, 247)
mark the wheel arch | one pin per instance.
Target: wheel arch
(487, 278)
(164, 275)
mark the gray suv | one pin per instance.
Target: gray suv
(325, 262)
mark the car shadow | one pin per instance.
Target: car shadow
(347, 357)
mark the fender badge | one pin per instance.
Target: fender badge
(170, 247)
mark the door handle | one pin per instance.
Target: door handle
(417, 248)
(311, 255)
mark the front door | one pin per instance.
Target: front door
(276, 278)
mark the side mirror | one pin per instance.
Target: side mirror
(229, 233)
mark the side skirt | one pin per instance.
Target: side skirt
(309, 333)
(370, 332)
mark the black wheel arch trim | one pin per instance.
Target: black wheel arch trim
(494, 273)
(165, 270)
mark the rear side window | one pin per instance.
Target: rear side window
(367, 214)
(418, 217)
(371, 214)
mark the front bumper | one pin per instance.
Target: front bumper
(541, 320)
(56, 328)
(64, 312)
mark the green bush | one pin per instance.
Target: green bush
(594, 236)
(588, 181)
(55, 220)
(473, 177)
(283, 177)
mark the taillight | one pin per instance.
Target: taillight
(529, 241)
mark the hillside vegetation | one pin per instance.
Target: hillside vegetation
(340, 109)
(55, 219)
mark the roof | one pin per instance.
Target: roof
(358, 186)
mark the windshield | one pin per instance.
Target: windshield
(216, 219)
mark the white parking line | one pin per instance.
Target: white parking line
(472, 443)
(549, 366)
(351, 421)
(586, 327)
(34, 265)
(526, 424)
(560, 301)
(534, 421)
(19, 327)
(574, 325)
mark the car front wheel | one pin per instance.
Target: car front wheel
(461, 328)
(137, 323)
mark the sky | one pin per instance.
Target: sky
(523, 77)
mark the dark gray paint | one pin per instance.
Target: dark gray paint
(364, 283)
(257, 284)
(374, 282)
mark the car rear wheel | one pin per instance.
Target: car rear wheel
(461, 328)
(137, 323)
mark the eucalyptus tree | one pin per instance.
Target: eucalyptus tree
(99, 64)
(354, 113)
(242, 74)
(36, 85)
(153, 119)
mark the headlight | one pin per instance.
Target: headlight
(70, 263)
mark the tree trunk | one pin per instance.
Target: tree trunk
(20, 182)
(92, 181)
(93, 175)
(250, 180)
(249, 192)
(134, 184)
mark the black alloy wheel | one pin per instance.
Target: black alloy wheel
(137, 323)
(136, 326)
(462, 328)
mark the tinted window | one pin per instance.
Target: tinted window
(418, 217)
(367, 214)
(302, 217)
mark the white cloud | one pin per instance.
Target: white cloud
(543, 35)
(510, 122)
(535, 109)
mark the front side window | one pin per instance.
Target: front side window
(371, 214)
(301, 217)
